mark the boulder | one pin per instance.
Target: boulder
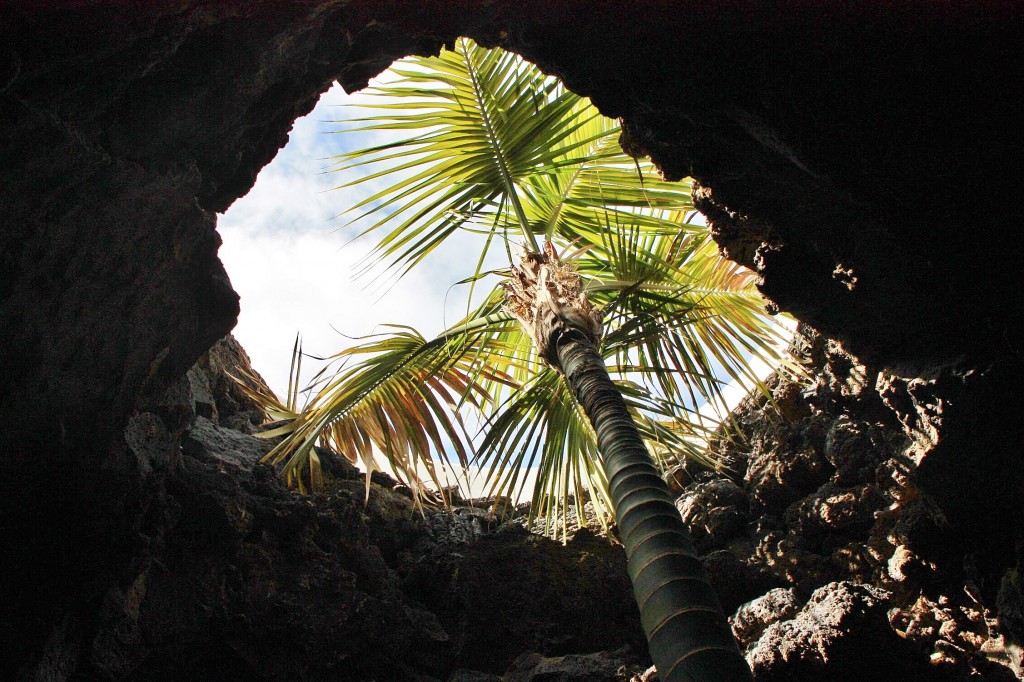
(841, 634)
(751, 619)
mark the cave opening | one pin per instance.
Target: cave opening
(287, 260)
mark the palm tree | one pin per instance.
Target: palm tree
(497, 149)
(687, 632)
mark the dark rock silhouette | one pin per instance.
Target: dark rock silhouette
(864, 158)
(237, 577)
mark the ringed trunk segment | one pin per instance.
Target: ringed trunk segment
(688, 634)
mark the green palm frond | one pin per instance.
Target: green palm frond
(400, 399)
(541, 425)
(679, 312)
(574, 200)
(254, 388)
(480, 123)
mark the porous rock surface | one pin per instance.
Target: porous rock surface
(872, 579)
(842, 633)
(864, 158)
(236, 577)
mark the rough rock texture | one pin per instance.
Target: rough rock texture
(480, 595)
(751, 619)
(216, 393)
(842, 633)
(863, 157)
(716, 511)
(600, 667)
(235, 577)
(836, 512)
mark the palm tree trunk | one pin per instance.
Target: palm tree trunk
(687, 631)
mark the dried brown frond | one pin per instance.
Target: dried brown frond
(547, 297)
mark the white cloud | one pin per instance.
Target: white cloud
(291, 257)
(288, 259)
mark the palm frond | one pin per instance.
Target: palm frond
(400, 398)
(480, 123)
(540, 425)
(575, 200)
(679, 313)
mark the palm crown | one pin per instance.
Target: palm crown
(495, 147)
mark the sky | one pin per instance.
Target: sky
(292, 260)
(289, 256)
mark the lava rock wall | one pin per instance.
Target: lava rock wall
(831, 507)
(864, 158)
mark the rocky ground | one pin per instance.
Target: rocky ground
(858, 573)
(235, 577)
(833, 564)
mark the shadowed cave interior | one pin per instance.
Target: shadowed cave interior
(864, 159)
